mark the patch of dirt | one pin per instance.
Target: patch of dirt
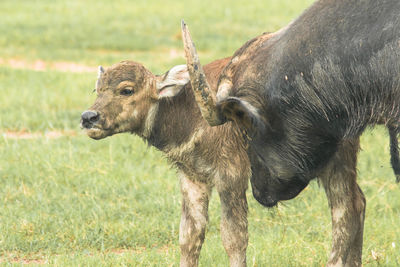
(71, 67)
(23, 261)
(173, 54)
(40, 259)
(64, 66)
(40, 65)
(139, 250)
(29, 135)
(121, 251)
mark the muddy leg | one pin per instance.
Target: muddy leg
(234, 221)
(194, 218)
(347, 204)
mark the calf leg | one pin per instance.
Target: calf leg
(194, 218)
(234, 219)
(347, 204)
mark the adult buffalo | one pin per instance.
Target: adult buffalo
(303, 94)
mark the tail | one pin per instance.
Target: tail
(394, 151)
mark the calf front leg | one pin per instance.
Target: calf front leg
(234, 220)
(347, 204)
(194, 218)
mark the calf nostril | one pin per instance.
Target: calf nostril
(94, 118)
(90, 116)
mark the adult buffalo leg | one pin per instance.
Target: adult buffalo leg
(347, 204)
(232, 192)
(194, 218)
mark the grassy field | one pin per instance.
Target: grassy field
(73, 201)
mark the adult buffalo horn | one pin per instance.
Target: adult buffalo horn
(205, 97)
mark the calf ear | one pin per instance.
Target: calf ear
(171, 83)
(100, 72)
(242, 112)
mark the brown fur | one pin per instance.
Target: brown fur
(206, 157)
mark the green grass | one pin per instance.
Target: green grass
(105, 32)
(40, 101)
(73, 194)
(73, 201)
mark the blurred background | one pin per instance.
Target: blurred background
(68, 200)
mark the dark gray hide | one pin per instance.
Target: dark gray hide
(316, 83)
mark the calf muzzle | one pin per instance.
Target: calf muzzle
(89, 118)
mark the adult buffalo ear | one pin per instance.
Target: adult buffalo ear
(242, 112)
(172, 82)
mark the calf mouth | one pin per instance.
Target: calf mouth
(95, 131)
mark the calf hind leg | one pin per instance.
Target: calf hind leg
(347, 204)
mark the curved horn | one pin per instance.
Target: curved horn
(205, 97)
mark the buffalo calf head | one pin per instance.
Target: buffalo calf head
(127, 98)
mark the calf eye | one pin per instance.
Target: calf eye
(126, 92)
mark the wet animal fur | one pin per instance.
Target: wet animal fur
(205, 156)
(321, 80)
(305, 94)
